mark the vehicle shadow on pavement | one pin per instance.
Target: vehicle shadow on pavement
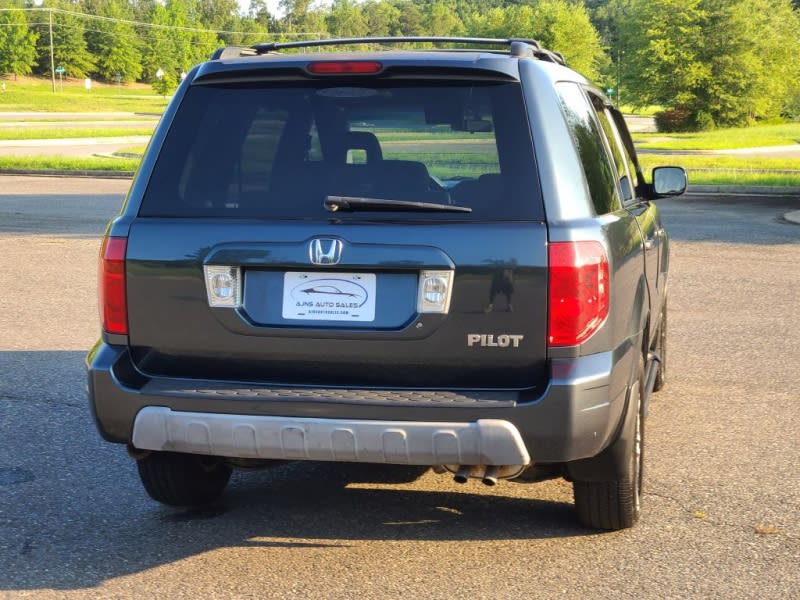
(79, 517)
(314, 501)
(73, 513)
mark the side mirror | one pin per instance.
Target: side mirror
(669, 181)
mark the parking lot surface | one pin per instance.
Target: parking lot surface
(722, 496)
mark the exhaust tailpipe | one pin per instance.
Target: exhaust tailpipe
(490, 476)
(462, 475)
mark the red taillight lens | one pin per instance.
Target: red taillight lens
(111, 286)
(344, 67)
(578, 292)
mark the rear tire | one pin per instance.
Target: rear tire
(661, 349)
(616, 504)
(183, 479)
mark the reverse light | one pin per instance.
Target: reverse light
(578, 291)
(344, 67)
(435, 289)
(111, 285)
(223, 286)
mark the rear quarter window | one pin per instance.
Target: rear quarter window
(276, 151)
(600, 173)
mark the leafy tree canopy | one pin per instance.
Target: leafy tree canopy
(716, 62)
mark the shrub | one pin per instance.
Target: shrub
(677, 120)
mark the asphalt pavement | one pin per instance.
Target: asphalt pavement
(722, 492)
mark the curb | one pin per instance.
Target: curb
(792, 217)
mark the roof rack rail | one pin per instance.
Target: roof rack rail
(517, 47)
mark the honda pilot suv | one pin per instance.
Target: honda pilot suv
(447, 258)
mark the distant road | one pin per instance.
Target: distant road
(76, 147)
(637, 124)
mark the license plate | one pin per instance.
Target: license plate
(329, 296)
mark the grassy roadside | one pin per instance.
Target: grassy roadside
(730, 170)
(35, 94)
(64, 163)
(785, 134)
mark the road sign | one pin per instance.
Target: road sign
(610, 92)
(60, 70)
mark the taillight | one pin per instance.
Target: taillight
(344, 67)
(578, 292)
(111, 286)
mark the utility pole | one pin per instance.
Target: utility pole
(52, 60)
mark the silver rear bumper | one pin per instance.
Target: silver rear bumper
(483, 442)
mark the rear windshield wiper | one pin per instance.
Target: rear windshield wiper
(335, 203)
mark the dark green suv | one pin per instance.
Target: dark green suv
(436, 257)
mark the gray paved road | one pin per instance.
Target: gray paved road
(723, 492)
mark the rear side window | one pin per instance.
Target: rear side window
(601, 175)
(276, 151)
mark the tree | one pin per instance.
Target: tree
(345, 20)
(115, 44)
(411, 21)
(17, 44)
(558, 25)
(259, 13)
(160, 51)
(442, 20)
(711, 62)
(300, 17)
(70, 50)
(382, 18)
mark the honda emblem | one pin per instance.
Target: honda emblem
(325, 251)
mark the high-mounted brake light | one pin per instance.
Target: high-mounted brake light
(344, 67)
(111, 288)
(578, 291)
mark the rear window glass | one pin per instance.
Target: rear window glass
(276, 152)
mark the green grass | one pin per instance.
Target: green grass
(785, 134)
(644, 111)
(730, 170)
(36, 95)
(71, 132)
(64, 163)
(131, 150)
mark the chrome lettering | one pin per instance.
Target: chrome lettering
(488, 340)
